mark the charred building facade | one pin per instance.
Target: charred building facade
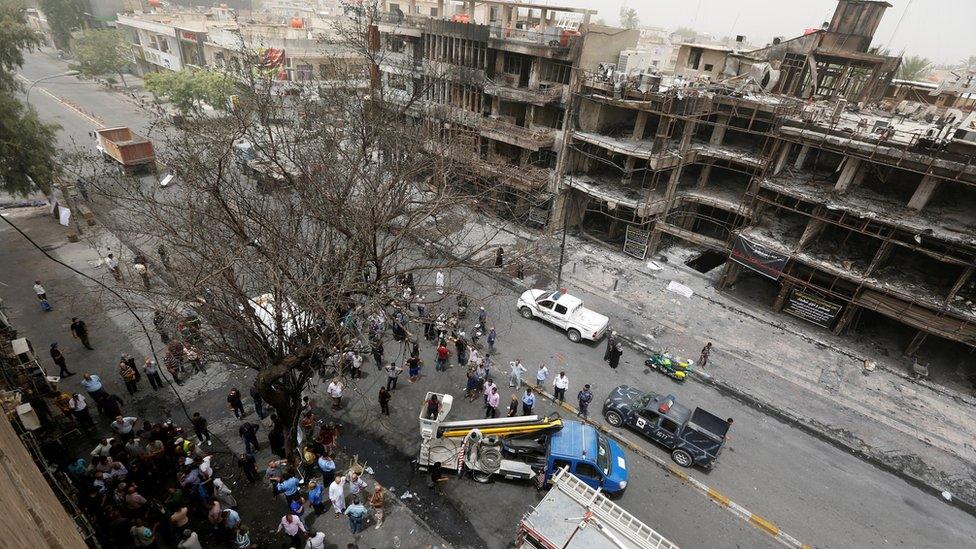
(798, 167)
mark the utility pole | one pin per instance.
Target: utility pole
(562, 200)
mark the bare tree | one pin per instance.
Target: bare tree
(298, 214)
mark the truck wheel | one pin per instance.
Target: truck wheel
(682, 458)
(526, 312)
(481, 477)
(574, 336)
(613, 418)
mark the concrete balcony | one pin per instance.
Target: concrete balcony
(542, 96)
(525, 138)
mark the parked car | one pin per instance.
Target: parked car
(565, 311)
(693, 437)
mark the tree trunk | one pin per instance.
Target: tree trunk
(271, 383)
(122, 76)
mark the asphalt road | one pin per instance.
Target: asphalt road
(816, 492)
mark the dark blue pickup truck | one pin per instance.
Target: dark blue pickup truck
(693, 437)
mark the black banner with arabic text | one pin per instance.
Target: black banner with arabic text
(758, 257)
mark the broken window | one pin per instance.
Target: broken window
(694, 58)
(513, 64)
(708, 67)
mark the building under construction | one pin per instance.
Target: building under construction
(801, 164)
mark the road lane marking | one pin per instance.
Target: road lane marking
(714, 495)
(66, 103)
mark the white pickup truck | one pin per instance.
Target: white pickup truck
(565, 311)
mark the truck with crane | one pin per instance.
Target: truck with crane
(523, 447)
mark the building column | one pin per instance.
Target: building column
(530, 116)
(916, 343)
(802, 157)
(629, 166)
(784, 292)
(784, 152)
(813, 229)
(845, 318)
(923, 193)
(960, 282)
(440, 8)
(535, 73)
(731, 274)
(639, 126)
(706, 172)
(718, 132)
(689, 217)
(850, 175)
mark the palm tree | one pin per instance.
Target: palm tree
(914, 67)
(629, 18)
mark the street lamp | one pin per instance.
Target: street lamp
(50, 77)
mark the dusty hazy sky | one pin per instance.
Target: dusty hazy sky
(942, 30)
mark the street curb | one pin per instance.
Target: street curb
(768, 527)
(794, 421)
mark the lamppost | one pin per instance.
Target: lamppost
(50, 77)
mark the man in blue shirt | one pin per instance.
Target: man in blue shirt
(289, 487)
(327, 466)
(93, 384)
(528, 401)
(356, 513)
(231, 519)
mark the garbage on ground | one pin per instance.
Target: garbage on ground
(947, 495)
(369, 470)
(406, 495)
(680, 289)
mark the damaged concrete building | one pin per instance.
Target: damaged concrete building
(497, 73)
(800, 167)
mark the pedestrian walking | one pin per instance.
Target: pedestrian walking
(248, 466)
(292, 527)
(235, 403)
(79, 408)
(376, 503)
(429, 332)
(513, 406)
(143, 271)
(384, 399)
(151, 370)
(377, 350)
(528, 401)
(249, 434)
(516, 373)
(611, 341)
(413, 368)
(337, 495)
(355, 365)
(491, 403)
(491, 339)
(200, 428)
(499, 257)
(58, 357)
(559, 386)
(706, 350)
(461, 348)
(258, 401)
(541, 375)
(440, 363)
(128, 375)
(163, 256)
(584, 397)
(316, 496)
(173, 365)
(93, 384)
(113, 267)
(335, 391)
(439, 282)
(79, 331)
(392, 374)
(159, 322)
(615, 354)
(356, 513)
(42, 296)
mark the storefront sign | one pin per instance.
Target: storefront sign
(812, 308)
(759, 258)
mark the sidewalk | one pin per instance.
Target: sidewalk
(799, 374)
(114, 331)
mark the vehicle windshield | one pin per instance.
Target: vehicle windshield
(603, 454)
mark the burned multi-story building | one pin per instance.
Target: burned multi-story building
(792, 162)
(502, 70)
